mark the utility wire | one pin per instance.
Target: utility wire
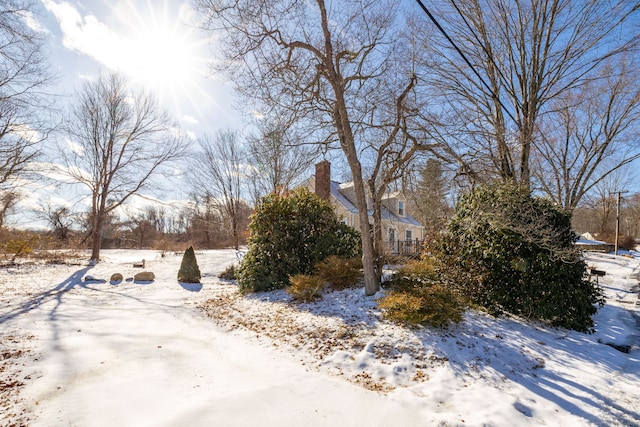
(464, 57)
(484, 47)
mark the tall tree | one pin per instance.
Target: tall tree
(219, 168)
(602, 199)
(278, 157)
(519, 56)
(119, 140)
(428, 192)
(593, 132)
(23, 77)
(322, 63)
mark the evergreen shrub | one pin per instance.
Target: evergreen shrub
(288, 235)
(417, 297)
(340, 273)
(305, 288)
(511, 252)
(229, 273)
(189, 271)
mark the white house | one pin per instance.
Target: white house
(402, 233)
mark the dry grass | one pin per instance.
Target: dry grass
(320, 330)
(13, 354)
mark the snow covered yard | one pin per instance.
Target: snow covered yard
(95, 353)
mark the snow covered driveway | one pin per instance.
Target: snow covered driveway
(141, 354)
(95, 353)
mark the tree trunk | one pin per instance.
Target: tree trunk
(371, 281)
(376, 211)
(96, 237)
(378, 243)
(234, 226)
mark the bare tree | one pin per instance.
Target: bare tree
(218, 174)
(23, 77)
(119, 139)
(8, 200)
(519, 56)
(60, 219)
(593, 132)
(278, 156)
(322, 64)
(602, 200)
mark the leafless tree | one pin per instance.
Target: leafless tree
(593, 132)
(119, 140)
(520, 56)
(321, 63)
(60, 219)
(602, 200)
(23, 77)
(278, 157)
(8, 199)
(217, 174)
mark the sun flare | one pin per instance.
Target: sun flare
(163, 58)
(163, 53)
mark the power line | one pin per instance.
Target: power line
(484, 48)
(464, 57)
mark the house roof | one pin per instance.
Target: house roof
(386, 214)
(338, 190)
(341, 198)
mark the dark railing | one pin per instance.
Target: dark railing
(405, 247)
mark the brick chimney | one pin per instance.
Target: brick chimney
(323, 179)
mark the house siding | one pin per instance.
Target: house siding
(342, 198)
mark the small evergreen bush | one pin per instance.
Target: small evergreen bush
(434, 305)
(340, 273)
(511, 252)
(289, 235)
(418, 298)
(189, 271)
(229, 273)
(305, 288)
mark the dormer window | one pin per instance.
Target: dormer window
(400, 208)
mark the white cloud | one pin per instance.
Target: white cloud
(189, 119)
(74, 147)
(26, 133)
(87, 34)
(32, 22)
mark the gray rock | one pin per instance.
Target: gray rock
(116, 277)
(145, 276)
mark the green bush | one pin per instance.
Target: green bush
(305, 288)
(511, 252)
(289, 235)
(413, 275)
(189, 271)
(340, 273)
(229, 273)
(418, 298)
(434, 305)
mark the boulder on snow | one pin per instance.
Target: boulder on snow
(116, 277)
(145, 276)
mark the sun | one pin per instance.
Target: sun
(162, 51)
(163, 58)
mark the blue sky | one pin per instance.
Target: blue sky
(154, 43)
(157, 46)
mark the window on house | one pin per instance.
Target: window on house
(400, 208)
(408, 235)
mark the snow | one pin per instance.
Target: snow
(162, 353)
